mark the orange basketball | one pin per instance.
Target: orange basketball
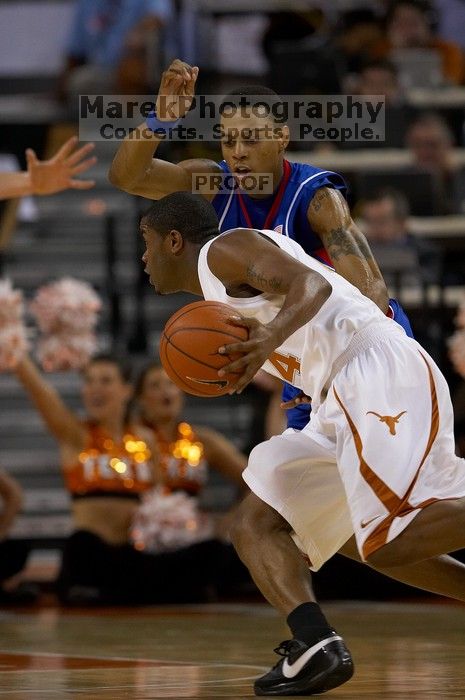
(189, 347)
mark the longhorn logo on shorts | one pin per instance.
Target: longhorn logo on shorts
(391, 421)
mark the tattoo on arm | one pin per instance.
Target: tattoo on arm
(338, 244)
(257, 279)
(363, 247)
(320, 197)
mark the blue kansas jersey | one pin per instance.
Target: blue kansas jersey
(290, 218)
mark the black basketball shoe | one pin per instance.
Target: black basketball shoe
(307, 670)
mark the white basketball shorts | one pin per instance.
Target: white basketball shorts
(378, 450)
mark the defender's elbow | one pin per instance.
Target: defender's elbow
(117, 179)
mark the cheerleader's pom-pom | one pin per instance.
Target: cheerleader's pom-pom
(13, 333)
(13, 345)
(11, 304)
(58, 353)
(168, 521)
(67, 305)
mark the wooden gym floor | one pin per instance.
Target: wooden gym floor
(401, 651)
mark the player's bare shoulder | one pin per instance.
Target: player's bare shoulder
(228, 251)
(326, 202)
(231, 241)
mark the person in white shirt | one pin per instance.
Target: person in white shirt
(377, 456)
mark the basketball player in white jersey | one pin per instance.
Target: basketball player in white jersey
(377, 457)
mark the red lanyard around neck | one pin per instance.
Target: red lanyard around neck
(276, 202)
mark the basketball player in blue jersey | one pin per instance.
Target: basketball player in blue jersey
(308, 205)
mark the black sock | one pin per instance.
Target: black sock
(308, 623)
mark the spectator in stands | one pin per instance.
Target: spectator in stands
(431, 144)
(380, 77)
(410, 25)
(50, 176)
(300, 53)
(184, 453)
(13, 553)
(107, 465)
(357, 33)
(107, 47)
(384, 220)
(384, 216)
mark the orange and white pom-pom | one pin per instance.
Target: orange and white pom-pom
(65, 352)
(13, 333)
(457, 351)
(168, 521)
(66, 306)
(11, 304)
(66, 312)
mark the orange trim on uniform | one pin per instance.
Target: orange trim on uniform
(106, 467)
(388, 498)
(397, 506)
(182, 461)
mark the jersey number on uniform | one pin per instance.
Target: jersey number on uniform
(287, 365)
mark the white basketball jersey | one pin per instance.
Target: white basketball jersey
(307, 357)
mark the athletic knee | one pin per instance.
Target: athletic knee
(253, 521)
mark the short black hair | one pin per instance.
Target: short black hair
(121, 363)
(265, 94)
(252, 90)
(188, 213)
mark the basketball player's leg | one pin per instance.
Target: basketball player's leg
(262, 539)
(302, 499)
(442, 575)
(439, 528)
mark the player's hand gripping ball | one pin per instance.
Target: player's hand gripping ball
(189, 347)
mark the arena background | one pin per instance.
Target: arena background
(306, 48)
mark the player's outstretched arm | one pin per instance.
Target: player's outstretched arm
(134, 169)
(50, 176)
(61, 422)
(329, 216)
(244, 258)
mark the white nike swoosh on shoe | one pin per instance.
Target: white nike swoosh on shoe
(291, 670)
